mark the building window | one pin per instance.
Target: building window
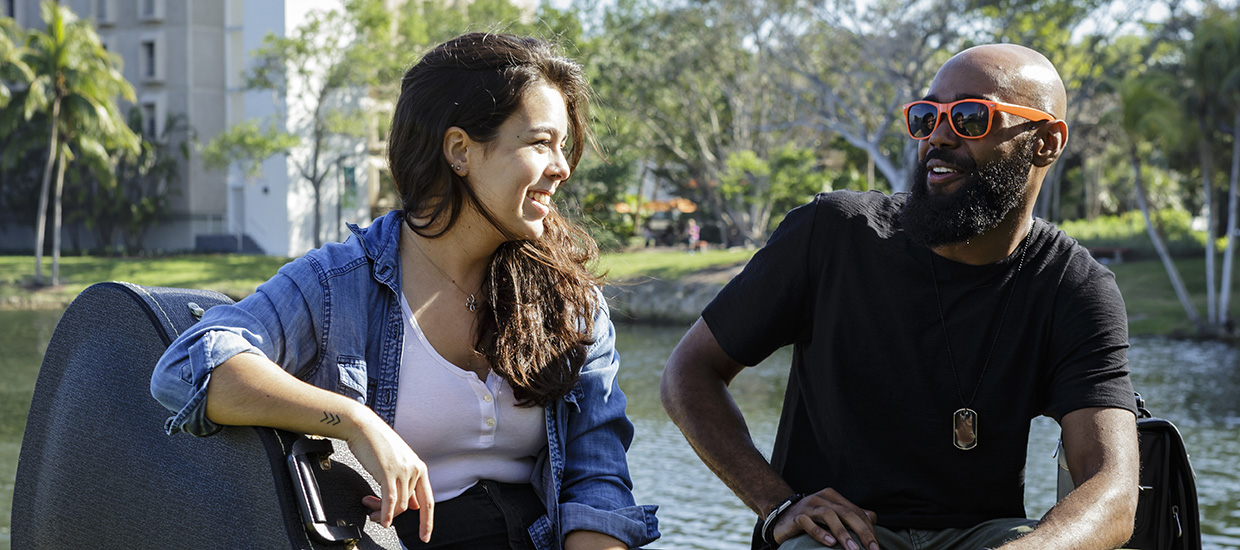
(10, 8)
(105, 12)
(148, 59)
(150, 10)
(150, 120)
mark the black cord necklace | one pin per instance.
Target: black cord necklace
(964, 420)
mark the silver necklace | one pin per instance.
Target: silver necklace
(964, 420)
(471, 302)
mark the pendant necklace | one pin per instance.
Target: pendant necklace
(471, 302)
(964, 420)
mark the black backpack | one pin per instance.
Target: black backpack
(1167, 512)
(96, 469)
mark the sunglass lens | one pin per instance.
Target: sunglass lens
(971, 119)
(921, 119)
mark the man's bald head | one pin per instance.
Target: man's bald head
(1018, 75)
(986, 184)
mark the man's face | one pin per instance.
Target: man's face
(981, 198)
(961, 188)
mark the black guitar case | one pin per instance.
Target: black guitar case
(96, 469)
(1168, 515)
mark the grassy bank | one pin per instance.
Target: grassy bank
(1152, 305)
(238, 275)
(234, 275)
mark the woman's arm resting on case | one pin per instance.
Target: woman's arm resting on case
(250, 390)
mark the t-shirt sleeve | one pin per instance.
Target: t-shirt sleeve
(1091, 336)
(767, 305)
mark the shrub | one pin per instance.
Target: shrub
(1128, 231)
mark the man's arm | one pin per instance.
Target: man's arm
(695, 393)
(1102, 453)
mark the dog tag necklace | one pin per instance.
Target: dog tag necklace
(964, 420)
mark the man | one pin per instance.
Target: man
(928, 329)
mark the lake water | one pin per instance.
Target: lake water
(1196, 385)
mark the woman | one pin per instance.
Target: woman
(461, 341)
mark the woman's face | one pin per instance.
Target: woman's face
(516, 174)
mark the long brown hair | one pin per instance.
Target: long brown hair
(538, 316)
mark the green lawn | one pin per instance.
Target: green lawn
(234, 275)
(1152, 305)
(238, 275)
(669, 264)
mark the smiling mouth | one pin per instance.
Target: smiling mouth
(943, 170)
(540, 197)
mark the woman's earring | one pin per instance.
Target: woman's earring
(456, 167)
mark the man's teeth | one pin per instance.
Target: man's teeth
(942, 170)
(540, 198)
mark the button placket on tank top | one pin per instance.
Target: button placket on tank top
(487, 412)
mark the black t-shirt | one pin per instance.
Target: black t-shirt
(871, 396)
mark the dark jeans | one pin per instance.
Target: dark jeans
(487, 515)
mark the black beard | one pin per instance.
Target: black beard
(984, 199)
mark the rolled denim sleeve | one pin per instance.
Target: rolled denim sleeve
(259, 324)
(597, 494)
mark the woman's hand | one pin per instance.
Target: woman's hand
(402, 476)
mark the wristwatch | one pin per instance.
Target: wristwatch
(768, 525)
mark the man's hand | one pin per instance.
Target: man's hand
(827, 517)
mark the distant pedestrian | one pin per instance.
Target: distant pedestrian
(695, 234)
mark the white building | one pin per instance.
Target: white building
(188, 57)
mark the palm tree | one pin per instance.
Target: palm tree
(1207, 61)
(78, 81)
(1217, 39)
(1148, 113)
(12, 68)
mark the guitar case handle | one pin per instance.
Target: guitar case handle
(307, 456)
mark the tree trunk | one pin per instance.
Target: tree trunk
(41, 224)
(1224, 300)
(56, 217)
(1056, 181)
(1159, 245)
(318, 215)
(1207, 169)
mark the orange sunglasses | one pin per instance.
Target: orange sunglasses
(970, 118)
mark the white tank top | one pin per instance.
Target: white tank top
(464, 429)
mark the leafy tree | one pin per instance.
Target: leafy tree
(852, 66)
(315, 62)
(1206, 63)
(1150, 115)
(14, 147)
(77, 81)
(120, 211)
(248, 146)
(695, 86)
(766, 188)
(1212, 62)
(13, 69)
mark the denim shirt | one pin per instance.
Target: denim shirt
(333, 319)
